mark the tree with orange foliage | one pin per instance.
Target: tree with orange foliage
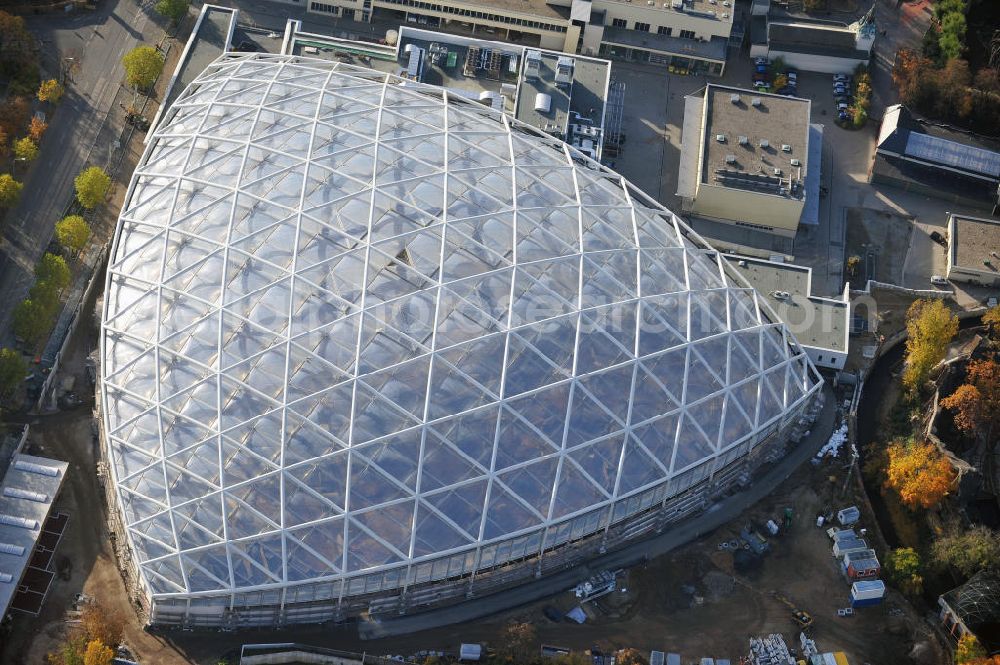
(918, 473)
(976, 403)
(36, 129)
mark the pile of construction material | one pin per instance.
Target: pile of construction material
(770, 650)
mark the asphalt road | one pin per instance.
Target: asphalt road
(96, 42)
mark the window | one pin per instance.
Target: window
(687, 34)
(323, 7)
(619, 23)
(642, 27)
(664, 30)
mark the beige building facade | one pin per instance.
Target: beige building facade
(685, 36)
(745, 159)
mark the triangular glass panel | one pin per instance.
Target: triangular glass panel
(327, 477)
(462, 504)
(575, 491)
(434, 535)
(663, 323)
(692, 446)
(638, 468)
(506, 514)
(533, 483)
(600, 461)
(473, 433)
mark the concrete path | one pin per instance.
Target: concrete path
(91, 45)
(722, 512)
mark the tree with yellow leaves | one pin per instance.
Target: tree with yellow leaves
(918, 473)
(97, 654)
(969, 650)
(930, 326)
(991, 319)
(50, 91)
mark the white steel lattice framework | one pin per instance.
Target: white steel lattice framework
(352, 324)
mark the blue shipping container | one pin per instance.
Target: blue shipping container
(865, 602)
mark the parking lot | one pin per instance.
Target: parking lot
(654, 115)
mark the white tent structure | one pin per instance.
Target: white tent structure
(361, 335)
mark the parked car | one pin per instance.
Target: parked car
(792, 76)
(845, 116)
(939, 280)
(939, 239)
(845, 99)
(842, 107)
(841, 78)
(762, 69)
(761, 61)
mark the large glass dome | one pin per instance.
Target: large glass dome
(354, 323)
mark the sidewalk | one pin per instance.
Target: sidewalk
(680, 534)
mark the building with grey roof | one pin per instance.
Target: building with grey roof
(750, 159)
(821, 324)
(27, 492)
(562, 95)
(935, 161)
(974, 250)
(808, 43)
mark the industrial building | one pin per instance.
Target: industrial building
(935, 161)
(27, 537)
(974, 250)
(565, 96)
(369, 345)
(690, 36)
(750, 159)
(807, 43)
(820, 324)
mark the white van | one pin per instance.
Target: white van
(939, 280)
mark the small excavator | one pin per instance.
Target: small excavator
(801, 618)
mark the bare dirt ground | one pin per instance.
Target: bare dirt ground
(690, 602)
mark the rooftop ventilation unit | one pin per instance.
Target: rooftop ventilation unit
(743, 263)
(777, 171)
(764, 144)
(755, 101)
(725, 14)
(18, 493)
(796, 162)
(678, 5)
(785, 147)
(21, 465)
(743, 140)
(730, 159)
(23, 522)
(8, 548)
(721, 138)
(734, 98)
(6, 578)
(726, 3)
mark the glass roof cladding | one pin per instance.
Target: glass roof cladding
(353, 322)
